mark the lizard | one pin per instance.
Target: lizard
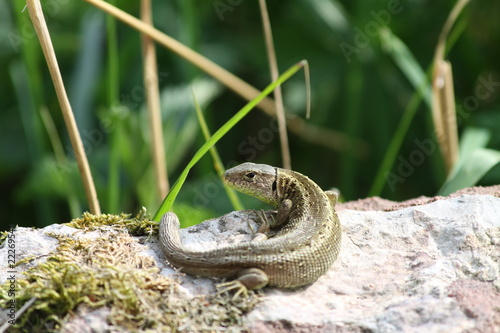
(304, 247)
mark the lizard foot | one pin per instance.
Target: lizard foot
(248, 279)
(232, 285)
(265, 225)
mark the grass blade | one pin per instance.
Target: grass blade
(410, 67)
(407, 63)
(169, 199)
(219, 167)
(73, 203)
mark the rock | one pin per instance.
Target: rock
(428, 268)
(398, 271)
(88, 321)
(402, 271)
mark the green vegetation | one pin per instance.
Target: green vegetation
(110, 274)
(371, 130)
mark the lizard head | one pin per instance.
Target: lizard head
(256, 180)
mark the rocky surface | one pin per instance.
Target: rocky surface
(430, 268)
(427, 268)
(376, 203)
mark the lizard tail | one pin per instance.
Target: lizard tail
(193, 262)
(170, 239)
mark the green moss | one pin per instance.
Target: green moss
(25, 260)
(141, 225)
(109, 272)
(3, 236)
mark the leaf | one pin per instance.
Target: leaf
(180, 126)
(219, 166)
(472, 139)
(332, 13)
(474, 162)
(481, 161)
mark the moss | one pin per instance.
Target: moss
(3, 236)
(25, 260)
(141, 225)
(109, 272)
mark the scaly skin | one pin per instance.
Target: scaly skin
(303, 249)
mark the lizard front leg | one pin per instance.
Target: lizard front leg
(277, 221)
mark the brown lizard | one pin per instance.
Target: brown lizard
(303, 249)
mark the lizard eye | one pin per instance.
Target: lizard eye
(250, 175)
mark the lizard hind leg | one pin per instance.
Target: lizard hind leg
(248, 279)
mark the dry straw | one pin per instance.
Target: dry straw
(443, 97)
(36, 15)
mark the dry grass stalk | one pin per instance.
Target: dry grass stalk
(273, 65)
(443, 97)
(444, 113)
(36, 15)
(328, 138)
(153, 104)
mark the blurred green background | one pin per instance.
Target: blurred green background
(359, 89)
